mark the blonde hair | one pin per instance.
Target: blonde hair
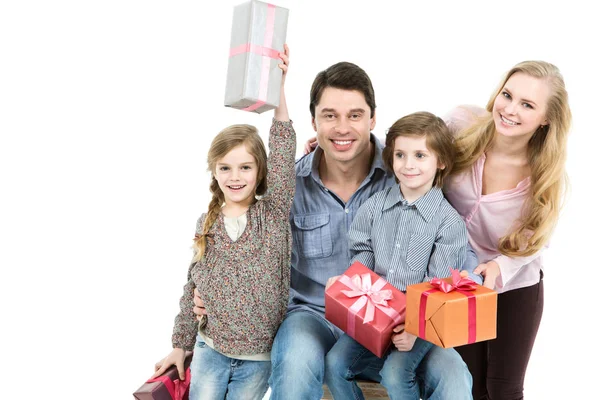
(437, 138)
(546, 157)
(228, 139)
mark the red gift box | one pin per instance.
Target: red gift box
(168, 386)
(366, 307)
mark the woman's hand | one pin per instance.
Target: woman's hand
(490, 272)
(310, 145)
(177, 358)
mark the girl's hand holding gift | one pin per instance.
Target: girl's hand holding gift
(177, 358)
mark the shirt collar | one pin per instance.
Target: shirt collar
(426, 205)
(312, 166)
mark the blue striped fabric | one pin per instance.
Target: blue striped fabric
(408, 243)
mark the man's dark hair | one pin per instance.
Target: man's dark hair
(346, 76)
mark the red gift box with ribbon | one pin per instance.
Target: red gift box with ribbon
(451, 312)
(168, 386)
(366, 307)
(257, 37)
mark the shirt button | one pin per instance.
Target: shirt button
(391, 272)
(397, 245)
(347, 211)
(327, 190)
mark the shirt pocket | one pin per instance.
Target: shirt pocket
(312, 234)
(419, 252)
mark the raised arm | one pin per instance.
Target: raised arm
(281, 176)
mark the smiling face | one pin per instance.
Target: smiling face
(520, 107)
(236, 173)
(415, 166)
(343, 124)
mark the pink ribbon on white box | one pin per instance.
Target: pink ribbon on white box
(267, 54)
(369, 295)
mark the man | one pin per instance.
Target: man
(331, 184)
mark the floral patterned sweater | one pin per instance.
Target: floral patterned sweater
(245, 284)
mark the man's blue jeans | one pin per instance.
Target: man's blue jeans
(348, 358)
(215, 376)
(304, 339)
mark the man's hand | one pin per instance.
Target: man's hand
(331, 281)
(403, 341)
(199, 309)
(490, 271)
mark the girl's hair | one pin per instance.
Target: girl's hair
(437, 138)
(546, 157)
(229, 138)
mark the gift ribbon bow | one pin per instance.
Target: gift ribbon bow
(267, 54)
(461, 285)
(176, 388)
(369, 295)
(458, 283)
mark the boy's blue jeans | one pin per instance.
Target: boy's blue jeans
(299, 367)
(215, 376)
(398, 375)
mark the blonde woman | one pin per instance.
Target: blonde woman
(508, 186)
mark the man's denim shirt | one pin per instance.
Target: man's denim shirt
(320, 223)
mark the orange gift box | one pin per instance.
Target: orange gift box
(451, 312)
(366, 307)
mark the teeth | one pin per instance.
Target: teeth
(236, 187)
(508, 121)
(342, 142)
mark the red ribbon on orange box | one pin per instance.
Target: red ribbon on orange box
(175, 388)
(369, 295)
(461, 285)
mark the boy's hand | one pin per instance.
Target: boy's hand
(331, 281)
(403, 341)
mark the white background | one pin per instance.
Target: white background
(107, 109)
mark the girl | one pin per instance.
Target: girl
(241, 263)
(508, 185)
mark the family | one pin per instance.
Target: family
(479, 190)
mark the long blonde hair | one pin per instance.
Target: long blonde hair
(546, 157)
(229, 138)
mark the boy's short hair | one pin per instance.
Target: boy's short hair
(437, 138)
(346, 76)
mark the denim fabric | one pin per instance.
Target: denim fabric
(398, 369)
(320, 222)
(441, 376)
(298, 354)
(217, 377)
